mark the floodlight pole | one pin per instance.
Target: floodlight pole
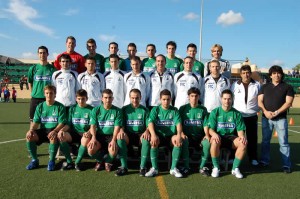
(201, 16)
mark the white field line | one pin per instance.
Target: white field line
(12, 141)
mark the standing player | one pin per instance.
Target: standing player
(135, 118)
(76, 130)
(245, 100)
(50, 116)
(106, 123)
(185, 80)
(160, 79)
(113, 49)
(198, 67)
(165, 127)
(274, 99)
(148, 64)
(114, 80)
(92, 81)
(216, 53)
(214, 84)
(91, 47)
(195, 131)
(131, 50)
(227, 129)
(65, 80)
(137, 79)
(172, 62)
(77, 60)
(39, 76)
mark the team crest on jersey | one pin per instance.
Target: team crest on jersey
(119, 79)
(86, 115)
(94, 82)
(210, 86)
(139, 116)
(112, 116)
(222, 85)
(171, 116)
(54, 112)
(198, 115)
(239, 91)
(230, 119)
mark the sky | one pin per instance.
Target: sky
(267, 32)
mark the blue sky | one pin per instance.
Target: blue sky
(265, 31)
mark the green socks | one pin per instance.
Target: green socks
(205, 152)
(236, 163)
(154, 156)
(65, 148)
(81, 151)
(122, 152)
(185, 153)
(97, 156)
(215, 161)
(175, 156)
(32, 148)
(144, 153)
(53, 147)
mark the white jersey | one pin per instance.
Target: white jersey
(225, 68)
(247, 104)
(213, 90)
(183, 81)
(159, 83)
(94, 85)
(114, 80)
(140, 81)
(66, 84)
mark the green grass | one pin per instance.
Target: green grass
(17, 182)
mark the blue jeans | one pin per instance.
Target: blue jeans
(281, 127)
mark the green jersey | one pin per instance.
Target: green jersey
(173, 65)
(193, 120)
(226, 122)
(39, 76)
(148, 65)
(79, 118)
(197, 68)
(165, 121)
(135, 119)
(99, 62)
(50, 116)
(107, 64)
(106, 120)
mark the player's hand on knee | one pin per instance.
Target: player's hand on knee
(61, 135)
(113, 146)
(52, 135)
(29, 134)
(243, 140)
(178, 141)
(121, 135)
(87, 135)
(154, 141)
(146, 136)
(92, 143)
(183, 136)
(216, 138)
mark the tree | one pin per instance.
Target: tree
(297, 67)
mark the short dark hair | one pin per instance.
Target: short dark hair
(188, 57)
(113, 43)
(114, 56)
(165, 92)
(135, 90)
(81, 93)
(71, 37)
(151, 45)
(276, 68)
(193, 90)
(246, 68)
(191, 45)
(172, 43)
(64, 56)
(107, 91)
(90, 58)
(43, 48)
(131, 45)
(136, 58)
(227, 91)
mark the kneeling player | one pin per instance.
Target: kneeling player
(165, 129)
(50, 115)
(106, 123)
(135, 117)
(76, 131)
(224, 122)
(195, 131)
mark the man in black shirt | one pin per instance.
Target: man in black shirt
(274, 99)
